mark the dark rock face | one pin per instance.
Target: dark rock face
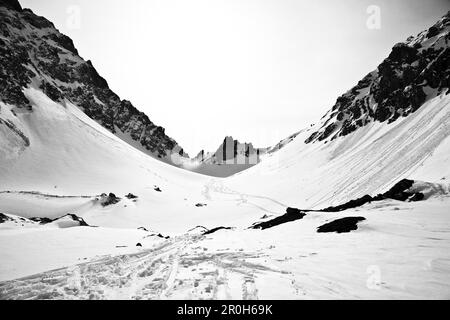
(12, 4)
(291, 214)
(229, 158)
(216, 229)
(346, 224)
(415, 71)
(43, 220)
(74, 217)
(78, 219)
(107, 200)
(398, 192)
(232, 151)
(199, 205)
(4, 218)
(31, 47)
(351, 204)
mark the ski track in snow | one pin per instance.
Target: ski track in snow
(167, 272)
(216, 186)
(189, 266)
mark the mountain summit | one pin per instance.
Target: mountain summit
(229, 158)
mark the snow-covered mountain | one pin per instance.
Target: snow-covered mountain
(35, 54)
(394, 123)
(230, 157)
(416, 71)
(85, 215)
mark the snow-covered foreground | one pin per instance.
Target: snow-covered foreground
(401, 250)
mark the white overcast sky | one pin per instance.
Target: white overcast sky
(258, 70)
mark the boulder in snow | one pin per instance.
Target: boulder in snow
(346, 224)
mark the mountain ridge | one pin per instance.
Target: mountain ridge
(229, 158)
(36, 54)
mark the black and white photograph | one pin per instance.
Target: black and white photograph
(225, 150)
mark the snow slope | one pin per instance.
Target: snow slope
(71, 159)
(367, 161)
(68, 162)
(74, 153)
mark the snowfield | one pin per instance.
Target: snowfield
(57, 161)
(407, 257)
(368, 161)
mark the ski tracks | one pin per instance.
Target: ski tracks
(179, 268)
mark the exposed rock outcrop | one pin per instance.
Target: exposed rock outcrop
(400, 191)
(342, 225)
(4, 218)
(232, 152)
(65, 221)
(215, 230)
(107, 200)
(230, 157)
(291, 214)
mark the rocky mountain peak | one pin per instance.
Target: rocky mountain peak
(229, 158)
(415, 71)
(232, 151)
(35, 54)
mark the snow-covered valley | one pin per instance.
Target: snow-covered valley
(84, 214)
(401, 250)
